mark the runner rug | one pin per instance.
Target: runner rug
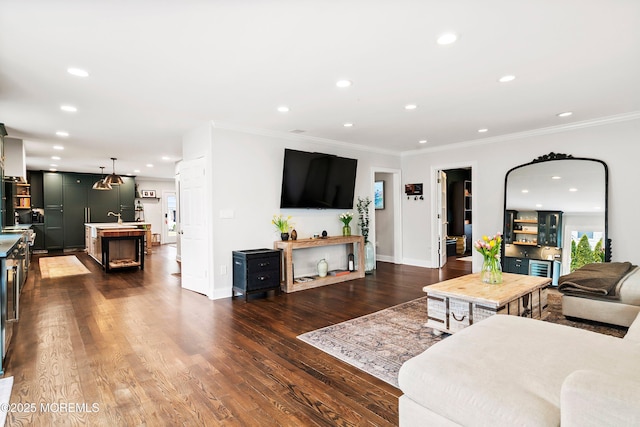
(379, 343)
(61, 266)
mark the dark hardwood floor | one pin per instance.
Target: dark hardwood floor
(133, 348)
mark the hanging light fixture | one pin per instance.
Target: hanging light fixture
(100, 184)
(114, 179)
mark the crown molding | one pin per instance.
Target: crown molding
(302, 137)
(601, 121)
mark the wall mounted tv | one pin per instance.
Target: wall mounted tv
(317, 180)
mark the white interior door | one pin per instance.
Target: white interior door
(442, 218)
(193, 228)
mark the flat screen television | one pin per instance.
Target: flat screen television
(317, 180)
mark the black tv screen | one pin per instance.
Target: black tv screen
(317, 180)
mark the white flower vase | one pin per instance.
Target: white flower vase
(323, 267)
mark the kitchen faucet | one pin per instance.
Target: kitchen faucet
(116, 214)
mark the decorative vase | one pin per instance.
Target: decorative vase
(284, 236)
(346, 230)
(369, 258)
(491, 272)
(294, 234)
(323, 267)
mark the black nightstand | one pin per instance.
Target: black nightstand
(256, 270)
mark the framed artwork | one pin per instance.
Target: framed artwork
(379, 195)
(148, 193)
(413, 189)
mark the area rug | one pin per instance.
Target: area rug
(61, 266)
(6, 384)
(379, 343)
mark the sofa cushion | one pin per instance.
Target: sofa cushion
(629, 288)
(508, 370)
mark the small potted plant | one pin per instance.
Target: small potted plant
(282, 225)
(346, 220)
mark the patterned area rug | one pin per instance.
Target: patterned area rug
(6, 384)
(379, 343)
(61, 266)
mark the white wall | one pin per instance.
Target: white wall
(615, 141)
(247, 176)
(153, 207)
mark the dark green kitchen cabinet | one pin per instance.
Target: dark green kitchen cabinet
(53, 211)
(71, 201)
(38, 243)
(75, 194)
(127, 195)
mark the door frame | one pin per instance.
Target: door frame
(435, 232)
(396, 179)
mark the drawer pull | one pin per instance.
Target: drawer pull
(459, 320)
(262, 278)
(264, 264)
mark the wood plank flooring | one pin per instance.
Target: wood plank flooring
(133, 348)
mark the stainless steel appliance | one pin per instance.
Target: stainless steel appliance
(13, 271)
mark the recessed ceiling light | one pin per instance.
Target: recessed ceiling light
(149, 165)
(447, 38)
(556, 177)
(410, 107)
(565, 114)
(343, 83)
(348, 125)
(78, 72)
(525, 191)
(573, 190)
(62, 133)
(136, 171)
(283, 109)
(507, 78)
(166, 158)
(596, 207)
(483, 130)
(68, 108)
(53, 165)
(53, 170)
(58, 147)
(55, 158)
(538, 205)
(422, 141)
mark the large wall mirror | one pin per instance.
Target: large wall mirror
(549, 203)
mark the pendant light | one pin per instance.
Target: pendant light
(100, 184)
(114, 179)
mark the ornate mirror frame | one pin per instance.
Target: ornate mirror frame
(558, 157)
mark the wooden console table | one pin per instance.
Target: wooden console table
(287, 246)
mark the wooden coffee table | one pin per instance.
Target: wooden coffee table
(457, 303)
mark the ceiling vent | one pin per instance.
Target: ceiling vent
(297, 131)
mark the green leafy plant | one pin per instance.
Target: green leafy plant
(281, 223)
(363, 216)
(582, 254)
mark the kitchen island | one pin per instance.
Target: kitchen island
(117, 245)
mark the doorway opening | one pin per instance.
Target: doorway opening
(387, 224)
(170, 217)
(454, 214)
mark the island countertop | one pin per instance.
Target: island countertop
(7, 242)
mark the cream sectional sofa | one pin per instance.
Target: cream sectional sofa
(513, 371)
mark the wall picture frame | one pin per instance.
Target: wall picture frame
(378, 194)
(148, 193)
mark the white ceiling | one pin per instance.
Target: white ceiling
(160, 68)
